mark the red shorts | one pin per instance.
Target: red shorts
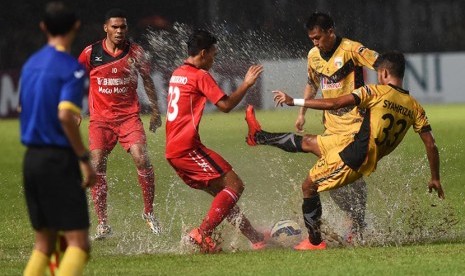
(199, 166)
(104, 135)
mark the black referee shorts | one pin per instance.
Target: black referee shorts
(52, 186)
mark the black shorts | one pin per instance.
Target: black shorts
(52, 186)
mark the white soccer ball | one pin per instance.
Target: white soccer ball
(286, 233)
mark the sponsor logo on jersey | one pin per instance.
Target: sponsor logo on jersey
(328, 85)
(113, 81)
(98, 59)
(114, 90)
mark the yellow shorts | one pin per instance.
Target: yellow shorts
(330, 172)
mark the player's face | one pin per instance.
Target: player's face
(209, 57)
(323, 40)
(116, 29)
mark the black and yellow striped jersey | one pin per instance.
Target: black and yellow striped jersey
(339, 74)
(390, 111)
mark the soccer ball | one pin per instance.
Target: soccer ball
(286, 233)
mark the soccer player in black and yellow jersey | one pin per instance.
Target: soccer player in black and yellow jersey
(389, 112)
(335, 65)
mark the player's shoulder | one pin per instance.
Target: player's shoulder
(191, 71)
(135, 47)
(373, 90)
(64, 59)
(352, 45)
(89, 47)
(314, 52)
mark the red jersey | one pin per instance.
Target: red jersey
(190, 87)
(113, 80)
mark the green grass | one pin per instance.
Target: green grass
(407, 235)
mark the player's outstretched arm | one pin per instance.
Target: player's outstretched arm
(149, 86)
(227, 103)
(309, 93)
(433, 159)
(281, 98)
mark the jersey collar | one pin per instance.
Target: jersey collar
(190, 64)
(400, 89)
(328, 55)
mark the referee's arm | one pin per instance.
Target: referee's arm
(71, 128)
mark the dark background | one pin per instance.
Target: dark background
(410, 26)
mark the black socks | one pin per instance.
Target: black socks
(311, 209)
(289, 142)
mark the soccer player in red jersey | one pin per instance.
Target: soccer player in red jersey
(114, 64)
(201, 168)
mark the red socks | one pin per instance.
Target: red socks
(221, 206)
(99, 193)
(147, 184)
(99, 196)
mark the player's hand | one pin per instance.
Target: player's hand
(436, 185)
(252, 74)
(155, 121)
(281, 98)
(299, 123)
(88, 174)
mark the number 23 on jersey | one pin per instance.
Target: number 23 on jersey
(173, 109)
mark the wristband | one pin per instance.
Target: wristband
(85, 157)
(299, 102)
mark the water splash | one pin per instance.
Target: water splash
(398, 212)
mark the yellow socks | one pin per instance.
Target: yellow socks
(37, 264)
(73, 262)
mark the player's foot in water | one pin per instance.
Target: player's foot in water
(103, 231)
(307, 245)
(205, 242)
(152, 222)
(262, 244)
(253, 124)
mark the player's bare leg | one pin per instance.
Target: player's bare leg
(146, 178)
(99, 193)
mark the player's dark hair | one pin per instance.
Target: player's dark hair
(319, 19)
(393, 61)
(58, 18)
(115, 13)
(200, 40)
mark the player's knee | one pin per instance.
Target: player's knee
(309, 188)
(80, 240)
(239, 187)
(142, 161)
(310, 144)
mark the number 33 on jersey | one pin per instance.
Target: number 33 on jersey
(390, 113)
